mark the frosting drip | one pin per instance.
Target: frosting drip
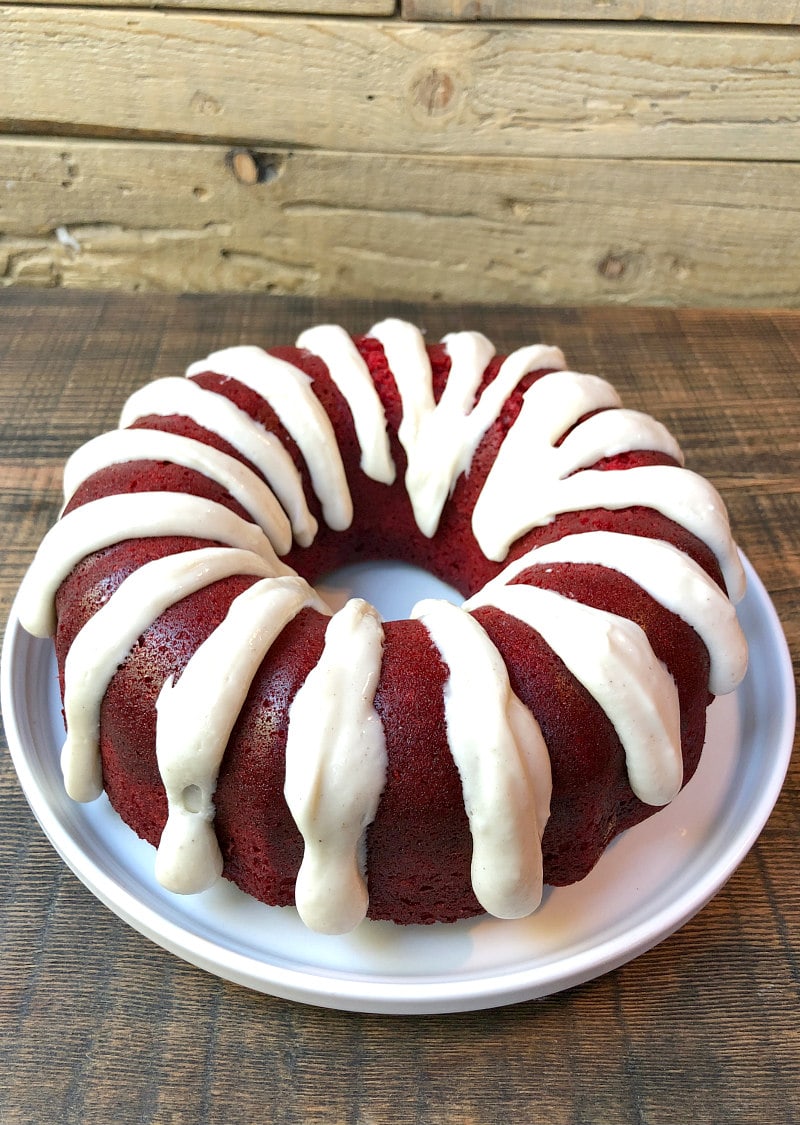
(112, 519)
(196, 716)
(611, 656)
(336, 769)
(220, 416)
(237, 479)
(105, 640)
(551, 407)
(501, 758)
(667, 575)
(288, 391)
(351, 375)
(440, 439)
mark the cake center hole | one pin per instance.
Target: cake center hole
(393, 588)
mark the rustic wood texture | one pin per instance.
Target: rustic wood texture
(689, 11)
(98, 1025)
(206, 218)
(628, 151)
(283, 7)
(552, 89)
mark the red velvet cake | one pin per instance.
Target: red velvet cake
(421, 770)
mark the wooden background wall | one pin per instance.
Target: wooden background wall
(562, 151)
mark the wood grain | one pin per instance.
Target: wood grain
(352, 8)
(552, 89)
(98, 1025)
(138, 216)
(689, 11)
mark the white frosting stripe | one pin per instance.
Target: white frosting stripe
(612, 658)
(551, 406)
(669, 576)
(106, 639)
(404, 347)
(112, 519)
(680, 495)
(196, 716)
(513, 369)
(336, 769)
(241, 482)
(288, 391)
(351, 375)
(501, 758)
(440, 439)
(447, 434)
(612, 432)
(220, 416)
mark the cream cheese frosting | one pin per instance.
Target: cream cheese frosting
(611, 656)
(213, 412)
(336, 769)
(245, 486)
(440, 439)
(668, 575)
(105, 640)
(112, 519)
(196, 716)
(501, 758)
(288, 391)
(336, 756)
(330, 343)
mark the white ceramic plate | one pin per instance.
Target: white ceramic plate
(651, 881)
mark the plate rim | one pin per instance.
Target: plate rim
(467, 991)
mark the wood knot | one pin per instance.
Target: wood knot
(612, 267)
(619, 264)
(205, 104)
(433, 92)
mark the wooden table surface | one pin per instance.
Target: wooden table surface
(99, 1025)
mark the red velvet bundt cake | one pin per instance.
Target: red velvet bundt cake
(419, 770)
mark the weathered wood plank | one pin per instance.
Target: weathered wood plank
(689, 11)
(285, 7)
(175, 217)
(601, 90)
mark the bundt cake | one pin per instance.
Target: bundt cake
(419, 770)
